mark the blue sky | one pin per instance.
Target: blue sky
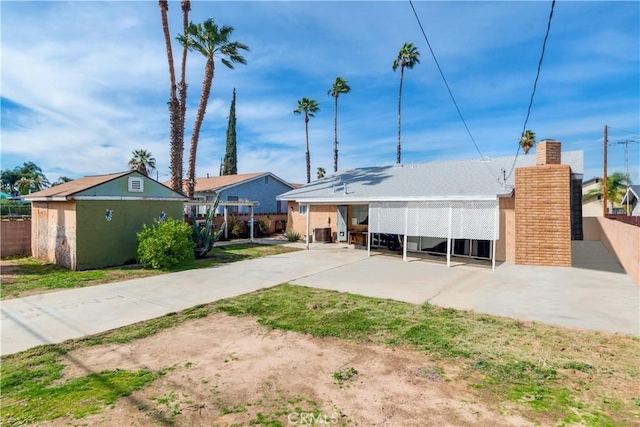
(85, 83)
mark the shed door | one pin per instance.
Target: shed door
(342, 223)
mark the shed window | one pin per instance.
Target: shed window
(136, 185)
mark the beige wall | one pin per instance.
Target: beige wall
(592, 208)
(320, 216)
(15, 237)
(622, 240)
(505, 246)
(53, 233)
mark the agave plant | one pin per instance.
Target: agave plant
(204, 237)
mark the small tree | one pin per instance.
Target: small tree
(616, 187)
(165, 245)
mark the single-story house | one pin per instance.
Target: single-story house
(262, 187)
(525, 209)
(92, 222)
(631, 198)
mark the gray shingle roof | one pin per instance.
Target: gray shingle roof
(450, 180)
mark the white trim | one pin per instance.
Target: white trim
(364, 201)
(69, 198)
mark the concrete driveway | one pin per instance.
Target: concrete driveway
(573, 297)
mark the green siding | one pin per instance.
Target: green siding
(119, 188)
(102, 243)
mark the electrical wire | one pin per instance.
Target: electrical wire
(622, 130)
(535, 85)
(445, 80)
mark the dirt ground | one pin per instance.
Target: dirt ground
(224, 370)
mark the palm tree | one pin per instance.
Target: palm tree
(320, 173)
(308, 107)
(616, 187)
(407, 57)
(527, 140)
(142, 161)
(174, 105)
(338, 87)
(210, 40)
(61, 180)
(10, 178)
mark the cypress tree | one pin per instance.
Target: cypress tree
(230, 164)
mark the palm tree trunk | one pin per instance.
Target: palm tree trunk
(202, 109)
(399, 112)
(176, 141)
(335, 131)
(306, 132)
(182, 106)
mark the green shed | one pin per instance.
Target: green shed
(92, 222)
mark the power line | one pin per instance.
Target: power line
(535, 85)
(622, 130)
(445, 81)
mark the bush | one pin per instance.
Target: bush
(292, 236)
(165, 244)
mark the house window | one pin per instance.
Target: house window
(360, 215)
(135, 185)
(232, 209)
(303, 209)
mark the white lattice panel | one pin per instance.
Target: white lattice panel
(474, 220)
(468, 220)
(387, 217)
(429, 219)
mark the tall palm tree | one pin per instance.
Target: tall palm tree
(142, 161)
(10, 178)
(616, 187)
(175, 140)
(320, 173)
(182, 91)
(527, 140)
(308, 107)
(210, 40)
(408, 56)
(338, 87)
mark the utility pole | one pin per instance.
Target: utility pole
(604, 178)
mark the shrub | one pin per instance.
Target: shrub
(165, 244)
(292, 236)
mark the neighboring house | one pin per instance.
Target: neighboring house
(262, 187)
(592, 206)
(455, 208)
(631, 198)
(92, 222)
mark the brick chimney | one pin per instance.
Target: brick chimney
(548, 152)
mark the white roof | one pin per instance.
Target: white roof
(450, 180)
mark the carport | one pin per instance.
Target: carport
(455, 219)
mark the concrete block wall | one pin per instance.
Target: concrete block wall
(543, 210)
(15, 237)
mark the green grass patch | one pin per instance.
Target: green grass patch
(33, 277)
(32, 389)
